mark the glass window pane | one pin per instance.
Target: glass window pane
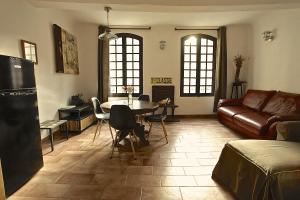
(193, 74)
(129, 73)
(113, 89)
(203, 58)
(193, 49)
(191, 41)
(209, 73)
(210, 43)
(193, 81)
(113, 81)
(112, 73)
(112, 41)
(119, 65)
(136, 49)
(136, 65)
(193, 89)
(186, 89)
(112, 49)
(120, 89)
(193, 57)
(202, 81)
(129, 81)
(129, 57)
(112, 65)
(193, 65)
(119, 57)
(186, 81)
(119, 49)
(136, 89)
(210, 50)
(209, 58)
(129, 41)
(203, 66)
(203, 50)
(119, 81)
(209, 66)
(186, 73)
(129, 65)
(186, 57)
(129, 49)
(202, 74)
(186, 49)
(203, 42)
(136, 57)
(136, 81)
(136, 73)
(208, 89)
(202, 89)
(112, 57)
(209, 81)
(119, 41)
(186, 65)
(119, 73)
(136, 42)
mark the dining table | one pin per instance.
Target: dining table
(138, 107)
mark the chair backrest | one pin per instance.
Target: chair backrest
(165, 103)
(121, 117)
(96, 105)
(144, 97)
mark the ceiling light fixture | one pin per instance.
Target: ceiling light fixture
(107, 33)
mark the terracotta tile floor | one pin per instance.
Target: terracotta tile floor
(79, 169)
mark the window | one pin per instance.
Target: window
(198, 61)
(126, 64)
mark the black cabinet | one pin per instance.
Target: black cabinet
(79, 117)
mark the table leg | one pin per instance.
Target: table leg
(232, 89)
(51, 139)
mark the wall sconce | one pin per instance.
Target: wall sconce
(268, 36)
(162, 44)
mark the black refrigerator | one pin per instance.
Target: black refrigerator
(20, 138)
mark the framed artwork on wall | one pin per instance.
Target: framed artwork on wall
(29, 51)
(66, 51)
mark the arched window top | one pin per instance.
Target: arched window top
(195, 37)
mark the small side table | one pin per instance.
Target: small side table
(50, 125)
(238, 89)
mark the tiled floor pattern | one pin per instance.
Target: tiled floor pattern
(79, 169)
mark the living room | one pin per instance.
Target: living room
(269, 64)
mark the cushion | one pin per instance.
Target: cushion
(257, 99)
(282, 103)
(230, 111)
(254, 122)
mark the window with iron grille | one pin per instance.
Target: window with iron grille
(198, 63)
(126, 64)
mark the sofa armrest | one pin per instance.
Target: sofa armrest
(289, 130)
(281, 118)
(230, 102)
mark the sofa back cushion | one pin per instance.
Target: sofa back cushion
(257, 99)
(283, 103)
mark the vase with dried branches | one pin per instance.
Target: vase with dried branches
(238, 60)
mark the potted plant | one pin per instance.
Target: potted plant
(238, 60)
(129, 89)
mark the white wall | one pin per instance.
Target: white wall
(162, 63)
(275, 65)
(19, 20)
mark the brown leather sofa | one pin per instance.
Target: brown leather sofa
(258, 112)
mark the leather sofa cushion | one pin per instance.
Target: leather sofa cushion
(254, 122)
(230, 111)
(282, 103)
(257, 99)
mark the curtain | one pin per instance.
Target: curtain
(103, 67)
(221, 68)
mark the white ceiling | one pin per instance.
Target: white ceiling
(170, 12)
